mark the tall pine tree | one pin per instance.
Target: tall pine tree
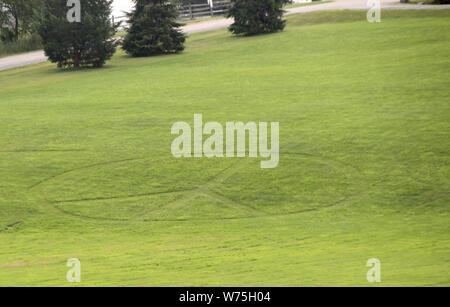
(153, 29)
(89, 42)
(253, 17)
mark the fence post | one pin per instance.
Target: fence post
(211, 9)
(190, 11)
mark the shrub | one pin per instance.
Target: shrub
(257, 16)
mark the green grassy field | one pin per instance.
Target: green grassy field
(87, 172)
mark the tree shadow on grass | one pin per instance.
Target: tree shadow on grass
(82, 68)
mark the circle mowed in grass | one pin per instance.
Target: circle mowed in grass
(165, 207)
(130, 178)
(170, 189)
(299, 183)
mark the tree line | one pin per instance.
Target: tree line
(19, 17)
(90, 39)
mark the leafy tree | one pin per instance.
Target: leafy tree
(18, 17)
(253, 17)
(153, 29)
(89, 42)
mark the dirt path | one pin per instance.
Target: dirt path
(39, 56)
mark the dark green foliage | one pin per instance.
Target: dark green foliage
(89, 42)
(8, 35)
(153, 29)
(18, 17)
(257, 16)
(441, 1)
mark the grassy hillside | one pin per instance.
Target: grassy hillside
(86, 169)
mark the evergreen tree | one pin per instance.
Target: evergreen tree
(153, 29)
(253, 17)
(75, 44)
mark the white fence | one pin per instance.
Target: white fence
(191, 11)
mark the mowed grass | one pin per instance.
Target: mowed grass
(86, 168)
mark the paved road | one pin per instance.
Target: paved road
(39, 56)
(22, 60)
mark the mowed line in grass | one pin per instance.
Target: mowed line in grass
(212, 188)
(372, 96)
